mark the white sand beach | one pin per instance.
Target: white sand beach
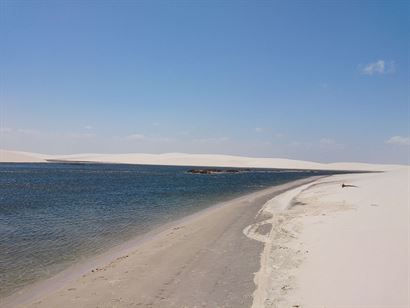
(309, 243)
(337, 247)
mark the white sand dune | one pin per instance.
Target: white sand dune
(182, 159)
(338, 247)
(21, 157)
(357, 257)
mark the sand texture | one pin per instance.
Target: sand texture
(337, 247)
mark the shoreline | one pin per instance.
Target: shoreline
(329, 245)
(32, 293)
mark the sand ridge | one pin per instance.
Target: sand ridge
(337, 247)
(183, 159)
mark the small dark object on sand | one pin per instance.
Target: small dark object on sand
(345, 185)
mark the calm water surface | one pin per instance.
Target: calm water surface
(52, 215)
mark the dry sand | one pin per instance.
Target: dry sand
(182, 159)
(337, 247)
(20, 157)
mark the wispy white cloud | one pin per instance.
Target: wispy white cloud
(330, 143)
(298, 144)
(327, 141)
(268, 132)
(136, 137)
(5, 130)
(80, 135)
(141, 137)
(162, 139)
(399, 140)
(379, 67)
(29, 131)
(295, 144)
(35, 134)
(88, 127)
(211, 140)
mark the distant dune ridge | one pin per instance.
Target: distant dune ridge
(20, 157)
(183, 159)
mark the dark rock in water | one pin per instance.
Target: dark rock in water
(212, 171)
(205, 171)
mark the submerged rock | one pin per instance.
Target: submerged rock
(212, 171)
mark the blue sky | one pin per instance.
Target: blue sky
(314, 80)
